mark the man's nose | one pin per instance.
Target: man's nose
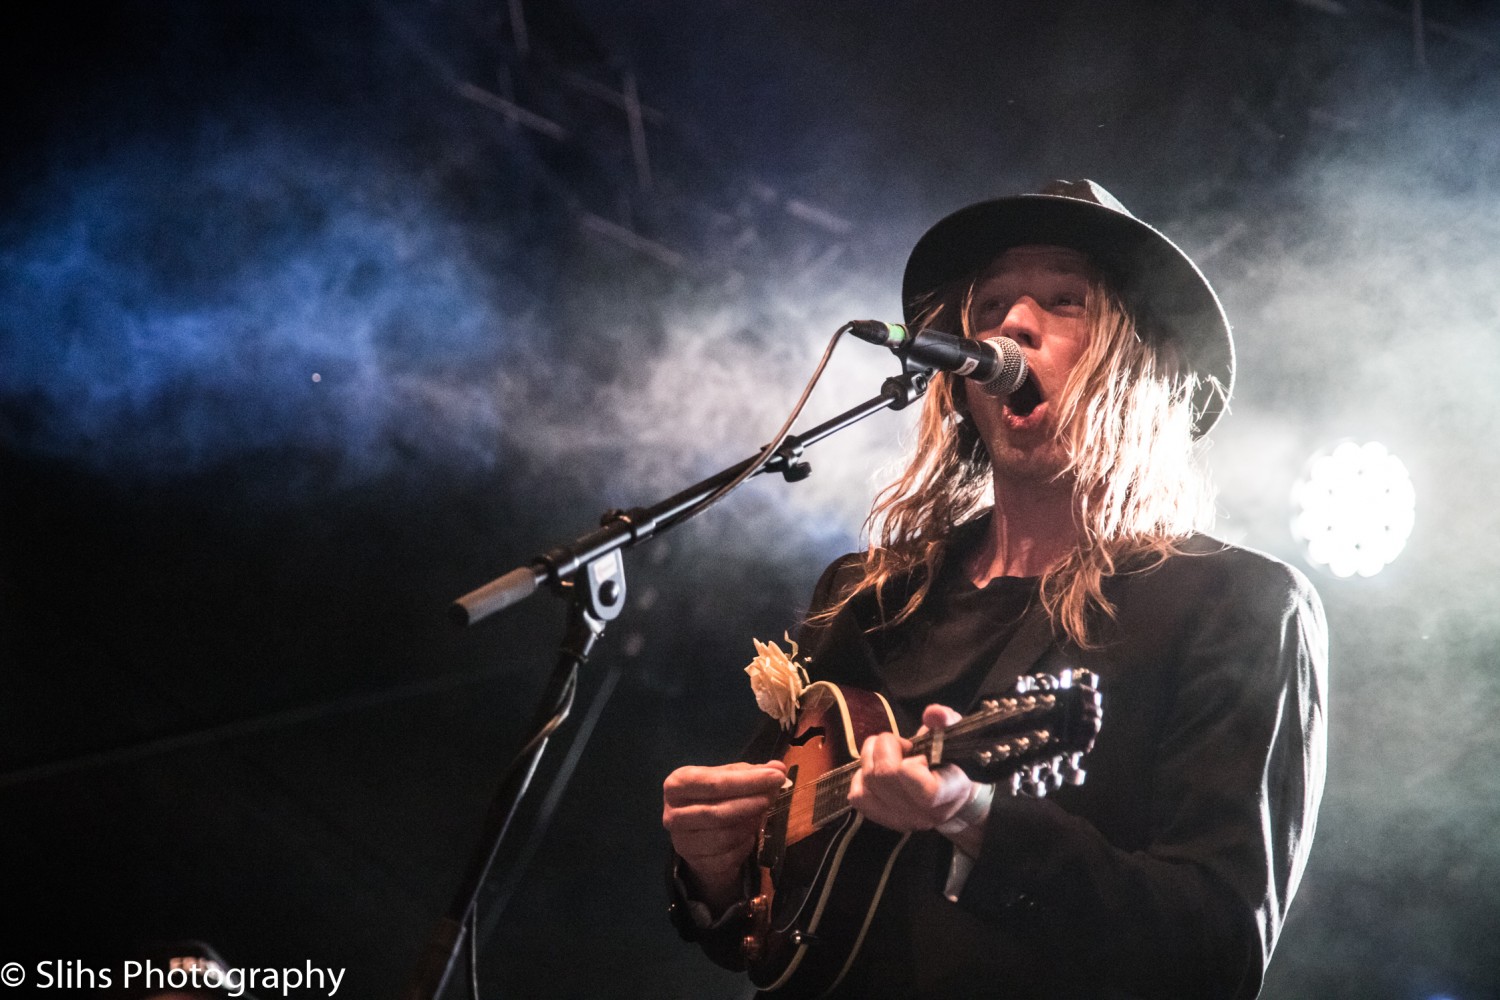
(1022, 322)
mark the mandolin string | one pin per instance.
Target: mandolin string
(1012, 711)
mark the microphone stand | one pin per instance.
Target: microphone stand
(590, 571)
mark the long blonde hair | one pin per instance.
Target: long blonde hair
(1125, 420)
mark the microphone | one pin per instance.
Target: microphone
(996, 364)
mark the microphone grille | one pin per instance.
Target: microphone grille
(1011, 370)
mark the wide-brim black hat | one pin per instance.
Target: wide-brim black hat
(1161, 286)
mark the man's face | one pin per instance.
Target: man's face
(1034, 295)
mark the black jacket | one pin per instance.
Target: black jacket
(1168, 873)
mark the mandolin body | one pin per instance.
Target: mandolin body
(820, 882)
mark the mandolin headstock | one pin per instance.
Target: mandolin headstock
(1034, 737)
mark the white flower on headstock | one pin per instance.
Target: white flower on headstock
(778, 680)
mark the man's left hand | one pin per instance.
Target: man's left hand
(902, 793)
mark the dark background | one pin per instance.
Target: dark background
(315, 316)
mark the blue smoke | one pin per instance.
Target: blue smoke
(167, 308)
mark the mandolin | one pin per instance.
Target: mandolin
(823, 869)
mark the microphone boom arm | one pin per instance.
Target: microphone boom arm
(620, 529)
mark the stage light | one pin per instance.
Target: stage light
(1353, 508)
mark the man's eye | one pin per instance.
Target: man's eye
(989, 308)
(1070, 299)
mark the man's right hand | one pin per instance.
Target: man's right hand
(713, 815)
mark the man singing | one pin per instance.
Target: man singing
(1059, 526)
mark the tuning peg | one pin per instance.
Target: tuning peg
(990, 705)
(1024, 782)
(1025, 684)
(1070, 768)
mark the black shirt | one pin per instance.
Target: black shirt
(939, 656)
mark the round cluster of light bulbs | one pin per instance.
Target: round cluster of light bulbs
(1353, 508)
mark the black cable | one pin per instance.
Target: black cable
(769, 450)
(473, 926)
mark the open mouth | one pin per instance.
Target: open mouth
(1025, 399)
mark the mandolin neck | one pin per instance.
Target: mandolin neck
(831, 797)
